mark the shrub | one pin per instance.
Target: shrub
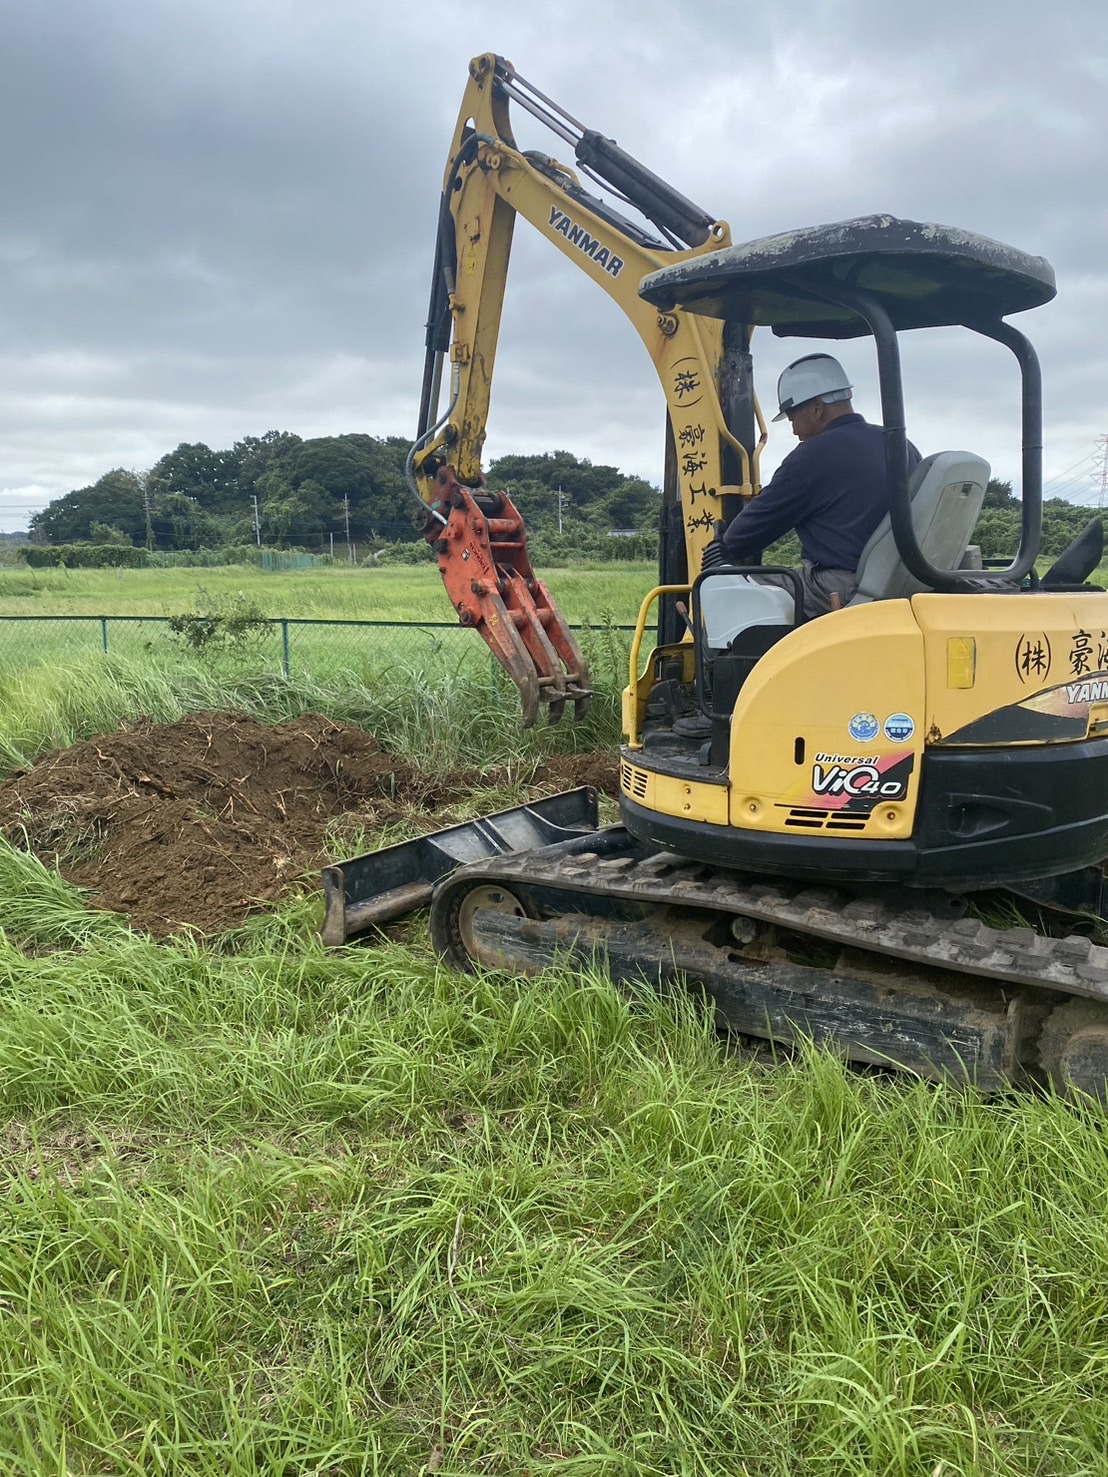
(230, 624)
(84, 556)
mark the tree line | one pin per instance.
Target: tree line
(283, 491)
(286, 492)
(998, 527)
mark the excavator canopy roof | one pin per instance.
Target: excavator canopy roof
(924, 276)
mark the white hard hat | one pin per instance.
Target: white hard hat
(816, 375)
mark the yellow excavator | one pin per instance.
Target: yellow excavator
(822, 821)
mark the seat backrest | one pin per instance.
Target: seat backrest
(946, 492)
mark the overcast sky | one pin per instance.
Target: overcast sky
(217, 216)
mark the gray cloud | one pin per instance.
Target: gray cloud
(218, 217)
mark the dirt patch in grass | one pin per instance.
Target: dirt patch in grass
(204, 821)
(567, 771)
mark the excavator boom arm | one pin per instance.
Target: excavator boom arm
(703, 365)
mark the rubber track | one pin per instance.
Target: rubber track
(866, 919)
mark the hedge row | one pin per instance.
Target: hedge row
(128, 556)
(84, 556)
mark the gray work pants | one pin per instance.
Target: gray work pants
(818, 586)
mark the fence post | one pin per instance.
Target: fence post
(104, 632)
(285, 647)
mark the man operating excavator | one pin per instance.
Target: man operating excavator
(833, 488)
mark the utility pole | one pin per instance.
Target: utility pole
(146, 511)
(1102, 491)
(257, 521)
(559, 508)
(346, 508)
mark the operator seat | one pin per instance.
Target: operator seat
(946, 491)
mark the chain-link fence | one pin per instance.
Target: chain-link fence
(311, 648)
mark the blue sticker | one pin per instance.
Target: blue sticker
(899, 728)
(863, 727)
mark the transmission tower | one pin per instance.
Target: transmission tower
(1102, 489)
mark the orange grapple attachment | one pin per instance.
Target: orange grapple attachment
(483, 560)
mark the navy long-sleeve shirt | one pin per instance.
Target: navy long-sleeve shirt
(833, 490)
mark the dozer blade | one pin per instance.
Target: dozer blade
(383, 885)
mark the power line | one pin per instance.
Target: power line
(1076, 487)
(1060, 481)
(1066, 471)
(1083, 486)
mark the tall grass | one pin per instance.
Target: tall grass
(273, 1210)
(270, 1209)
(441, 713)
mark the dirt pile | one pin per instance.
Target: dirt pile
(203, 821)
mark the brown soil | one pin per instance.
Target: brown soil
(201, 822)
(567, 771)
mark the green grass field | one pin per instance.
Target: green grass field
(57, 617)
(273, 1210)
(609, 593)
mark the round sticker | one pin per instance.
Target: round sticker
(899, 728)
(863, 727)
